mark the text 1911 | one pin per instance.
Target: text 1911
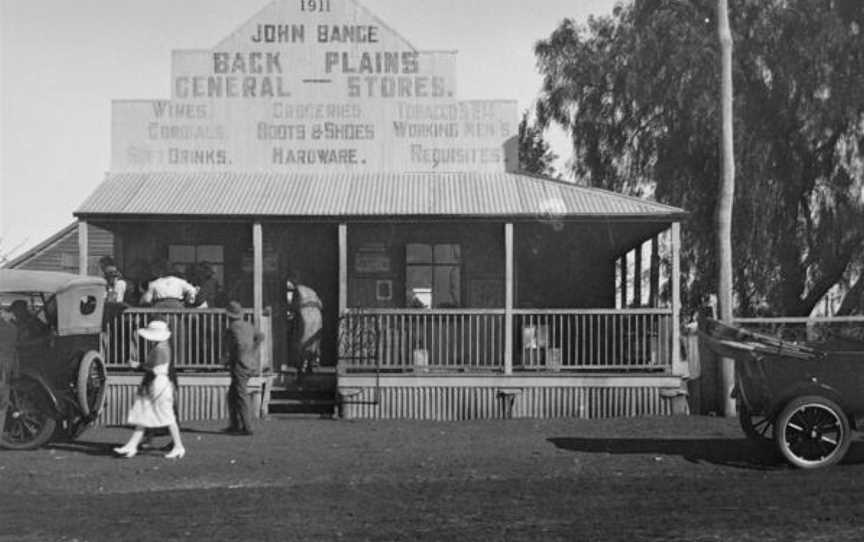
(320, 6)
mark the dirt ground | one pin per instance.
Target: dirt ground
(680, 478)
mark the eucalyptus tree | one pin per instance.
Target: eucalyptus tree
(638, 92)
(535, 153)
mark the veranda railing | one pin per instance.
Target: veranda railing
(421, 339)
(598, 339)
(473, 339)
(196, 340)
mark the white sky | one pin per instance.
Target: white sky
(63, 61)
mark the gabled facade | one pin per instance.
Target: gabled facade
(60, 252)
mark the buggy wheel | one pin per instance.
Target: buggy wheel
(758, 428)
(92, 380)
(29, 417)
(812, 432)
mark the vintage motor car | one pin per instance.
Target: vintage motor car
(804, 398)
(53, 374)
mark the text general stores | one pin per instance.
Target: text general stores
(265, 73)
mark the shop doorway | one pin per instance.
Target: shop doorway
(310, 253)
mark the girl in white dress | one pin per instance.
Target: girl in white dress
(154, 404)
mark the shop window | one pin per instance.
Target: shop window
(433, 275)
(186, 258)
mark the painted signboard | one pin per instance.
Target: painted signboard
(313, 85)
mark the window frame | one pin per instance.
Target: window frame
(433, 264)
(218, 267)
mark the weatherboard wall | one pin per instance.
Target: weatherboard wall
(465, 397)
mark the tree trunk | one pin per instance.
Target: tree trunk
(637, 277)
(725, 199)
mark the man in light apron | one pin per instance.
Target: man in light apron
(305, 319)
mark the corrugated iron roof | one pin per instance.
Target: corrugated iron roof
(359, 194)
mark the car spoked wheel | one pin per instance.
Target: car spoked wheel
(29, 418)
(91, 385)
(758, 428)
(813, 432)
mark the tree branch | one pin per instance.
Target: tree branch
(852, 300)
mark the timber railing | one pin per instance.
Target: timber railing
(468, 340)
(196, 337)
(422, 339)
(595, 339)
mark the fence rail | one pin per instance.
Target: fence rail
(468, 340)
(196, 336)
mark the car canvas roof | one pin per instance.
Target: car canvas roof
(25, 280)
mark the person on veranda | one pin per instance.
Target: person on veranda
(304, 312)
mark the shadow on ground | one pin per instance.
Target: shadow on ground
(158, 439)
(192, 430)
(85, 447)
(740, 453)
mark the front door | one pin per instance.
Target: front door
(310, 253)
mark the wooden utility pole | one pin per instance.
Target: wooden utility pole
(725, 201)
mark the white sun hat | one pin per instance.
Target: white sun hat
(156, 331)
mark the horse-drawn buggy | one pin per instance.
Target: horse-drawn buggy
(804, 398)
(52, 375)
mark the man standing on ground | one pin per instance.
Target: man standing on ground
(241, 346)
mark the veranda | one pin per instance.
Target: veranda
(452, 317)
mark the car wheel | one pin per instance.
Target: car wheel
(92, 382)
(30, 419)
(812, 432)
(758, 428)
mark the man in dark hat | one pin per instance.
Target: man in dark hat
(209, 289)
(241, 349)
(105, 262)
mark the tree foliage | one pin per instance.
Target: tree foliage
(638, 92)
(535, 154)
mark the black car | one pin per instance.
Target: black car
(52, 373)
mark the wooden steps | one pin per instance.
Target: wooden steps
(310, 394)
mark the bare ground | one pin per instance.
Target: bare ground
(678, 478)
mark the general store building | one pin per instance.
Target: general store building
(320, 142)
